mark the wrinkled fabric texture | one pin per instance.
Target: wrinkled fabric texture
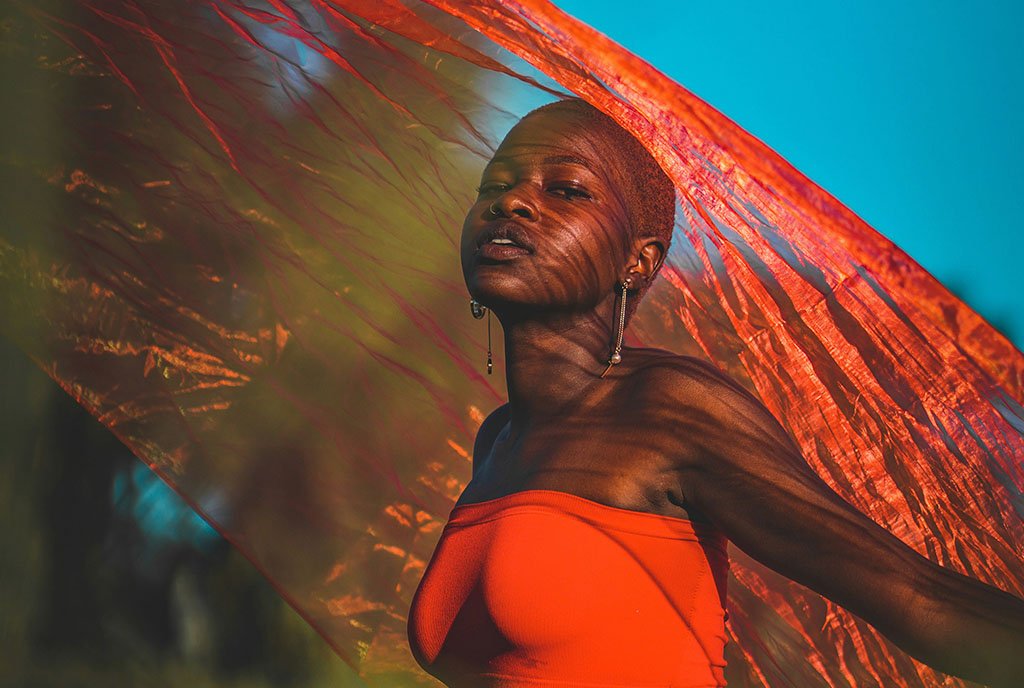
(234, 241)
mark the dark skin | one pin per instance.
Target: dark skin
(672, 435)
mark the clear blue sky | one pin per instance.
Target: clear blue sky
(910, 113)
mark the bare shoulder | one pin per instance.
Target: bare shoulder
(707, 409)
(687, 378)
(485, 436)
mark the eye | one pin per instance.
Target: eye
(570, 192)
(491, 187)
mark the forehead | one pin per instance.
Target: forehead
(553, 137)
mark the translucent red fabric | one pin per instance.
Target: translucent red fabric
(235, 242)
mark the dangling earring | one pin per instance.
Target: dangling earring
(478, 310)
(616, 357)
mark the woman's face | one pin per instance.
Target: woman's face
(549, 189)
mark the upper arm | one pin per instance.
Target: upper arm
(741, 470)
(486, 435)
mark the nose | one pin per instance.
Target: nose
(514, 204)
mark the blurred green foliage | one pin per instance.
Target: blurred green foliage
(81, 602)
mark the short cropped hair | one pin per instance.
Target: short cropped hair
(648, 193)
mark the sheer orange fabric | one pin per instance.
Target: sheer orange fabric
(234, 242)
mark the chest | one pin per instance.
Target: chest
(623, 460)
(545, 586)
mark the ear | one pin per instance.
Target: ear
(646, 257)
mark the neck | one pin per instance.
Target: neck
(552, 363)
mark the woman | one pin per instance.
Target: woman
(588, 548)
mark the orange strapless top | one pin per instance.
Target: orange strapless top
(545, 588)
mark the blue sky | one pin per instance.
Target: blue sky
(910, 113)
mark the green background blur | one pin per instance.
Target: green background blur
(107, 579)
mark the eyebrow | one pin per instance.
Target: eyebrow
(550, 160)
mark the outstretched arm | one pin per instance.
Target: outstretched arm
(740, 469)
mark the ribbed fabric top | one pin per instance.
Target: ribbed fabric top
(542, 588)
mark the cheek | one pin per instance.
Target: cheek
(586, 255)
(601, 237)
(470, 226)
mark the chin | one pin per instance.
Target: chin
(495, 283)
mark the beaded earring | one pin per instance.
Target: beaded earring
(616, 357)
